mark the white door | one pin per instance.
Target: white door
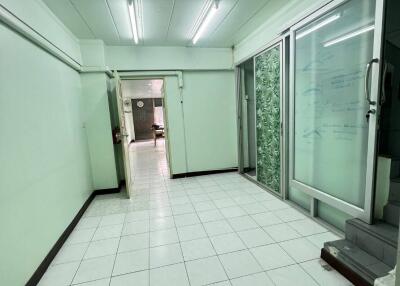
(123, 133)
(334, 88)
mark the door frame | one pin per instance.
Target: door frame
(155, 76)
(315, 194)
(123, 133)
(240, 92)
(283, 43)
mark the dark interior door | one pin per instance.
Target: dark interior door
(143, 118)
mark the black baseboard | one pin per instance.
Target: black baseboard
(38, 274)
(351, 275)
(203, 173)
(109, 191)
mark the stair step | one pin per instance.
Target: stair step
(379, 239)
(391, 213)
(358, 260)
(396, 180)
(395, 168)
(394, 190)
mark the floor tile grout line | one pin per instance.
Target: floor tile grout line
(231, 195)
(80, 262)
(209, 238)
(251, 253)
(197, 259)
(81, 283)
(183, 259)
(309, 274)
(116, 254)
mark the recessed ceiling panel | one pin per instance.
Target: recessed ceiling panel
(238, 17)
(272, 7)
(183, 19)
(99, 19)
(120, 13)
(165, 22)
(156, 18)
(223, 11)
(67, 13)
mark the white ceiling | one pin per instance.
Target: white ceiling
(141, 88)
(165, 22)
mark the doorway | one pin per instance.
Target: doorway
(248, 119)
(143, 118)
(146, 118)
(387, 198)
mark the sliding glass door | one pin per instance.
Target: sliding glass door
(334, 87)
(268, 87)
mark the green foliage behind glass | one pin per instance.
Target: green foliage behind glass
(267, 71)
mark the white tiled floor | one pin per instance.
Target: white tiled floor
(216, 230)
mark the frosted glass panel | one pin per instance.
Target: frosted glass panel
(330, 140)
(268, 98)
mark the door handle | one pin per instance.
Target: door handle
(366, 81)
(369, 112)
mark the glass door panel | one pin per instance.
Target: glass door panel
(333, 140)
(268, 117)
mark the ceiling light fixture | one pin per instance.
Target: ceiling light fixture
(206, 20)
(134, 23)
(318, 26)
(349, 35)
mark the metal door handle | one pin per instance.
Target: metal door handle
(366, 81)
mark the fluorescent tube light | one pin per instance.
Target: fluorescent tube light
(318, 26)
(205, 23)
(349, 35)
(134, 25)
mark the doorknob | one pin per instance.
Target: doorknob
(369, 112)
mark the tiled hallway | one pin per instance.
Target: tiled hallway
(210, 230)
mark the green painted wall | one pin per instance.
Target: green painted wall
(92, 53)
(35, 14)
(113, 107)
(274, 24)
(98, 130)
(45, 176)
(175, 127)
(209, 106)
(168, 58)
(201, 120)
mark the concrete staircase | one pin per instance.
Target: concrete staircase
(391, 211)
(369, 251)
